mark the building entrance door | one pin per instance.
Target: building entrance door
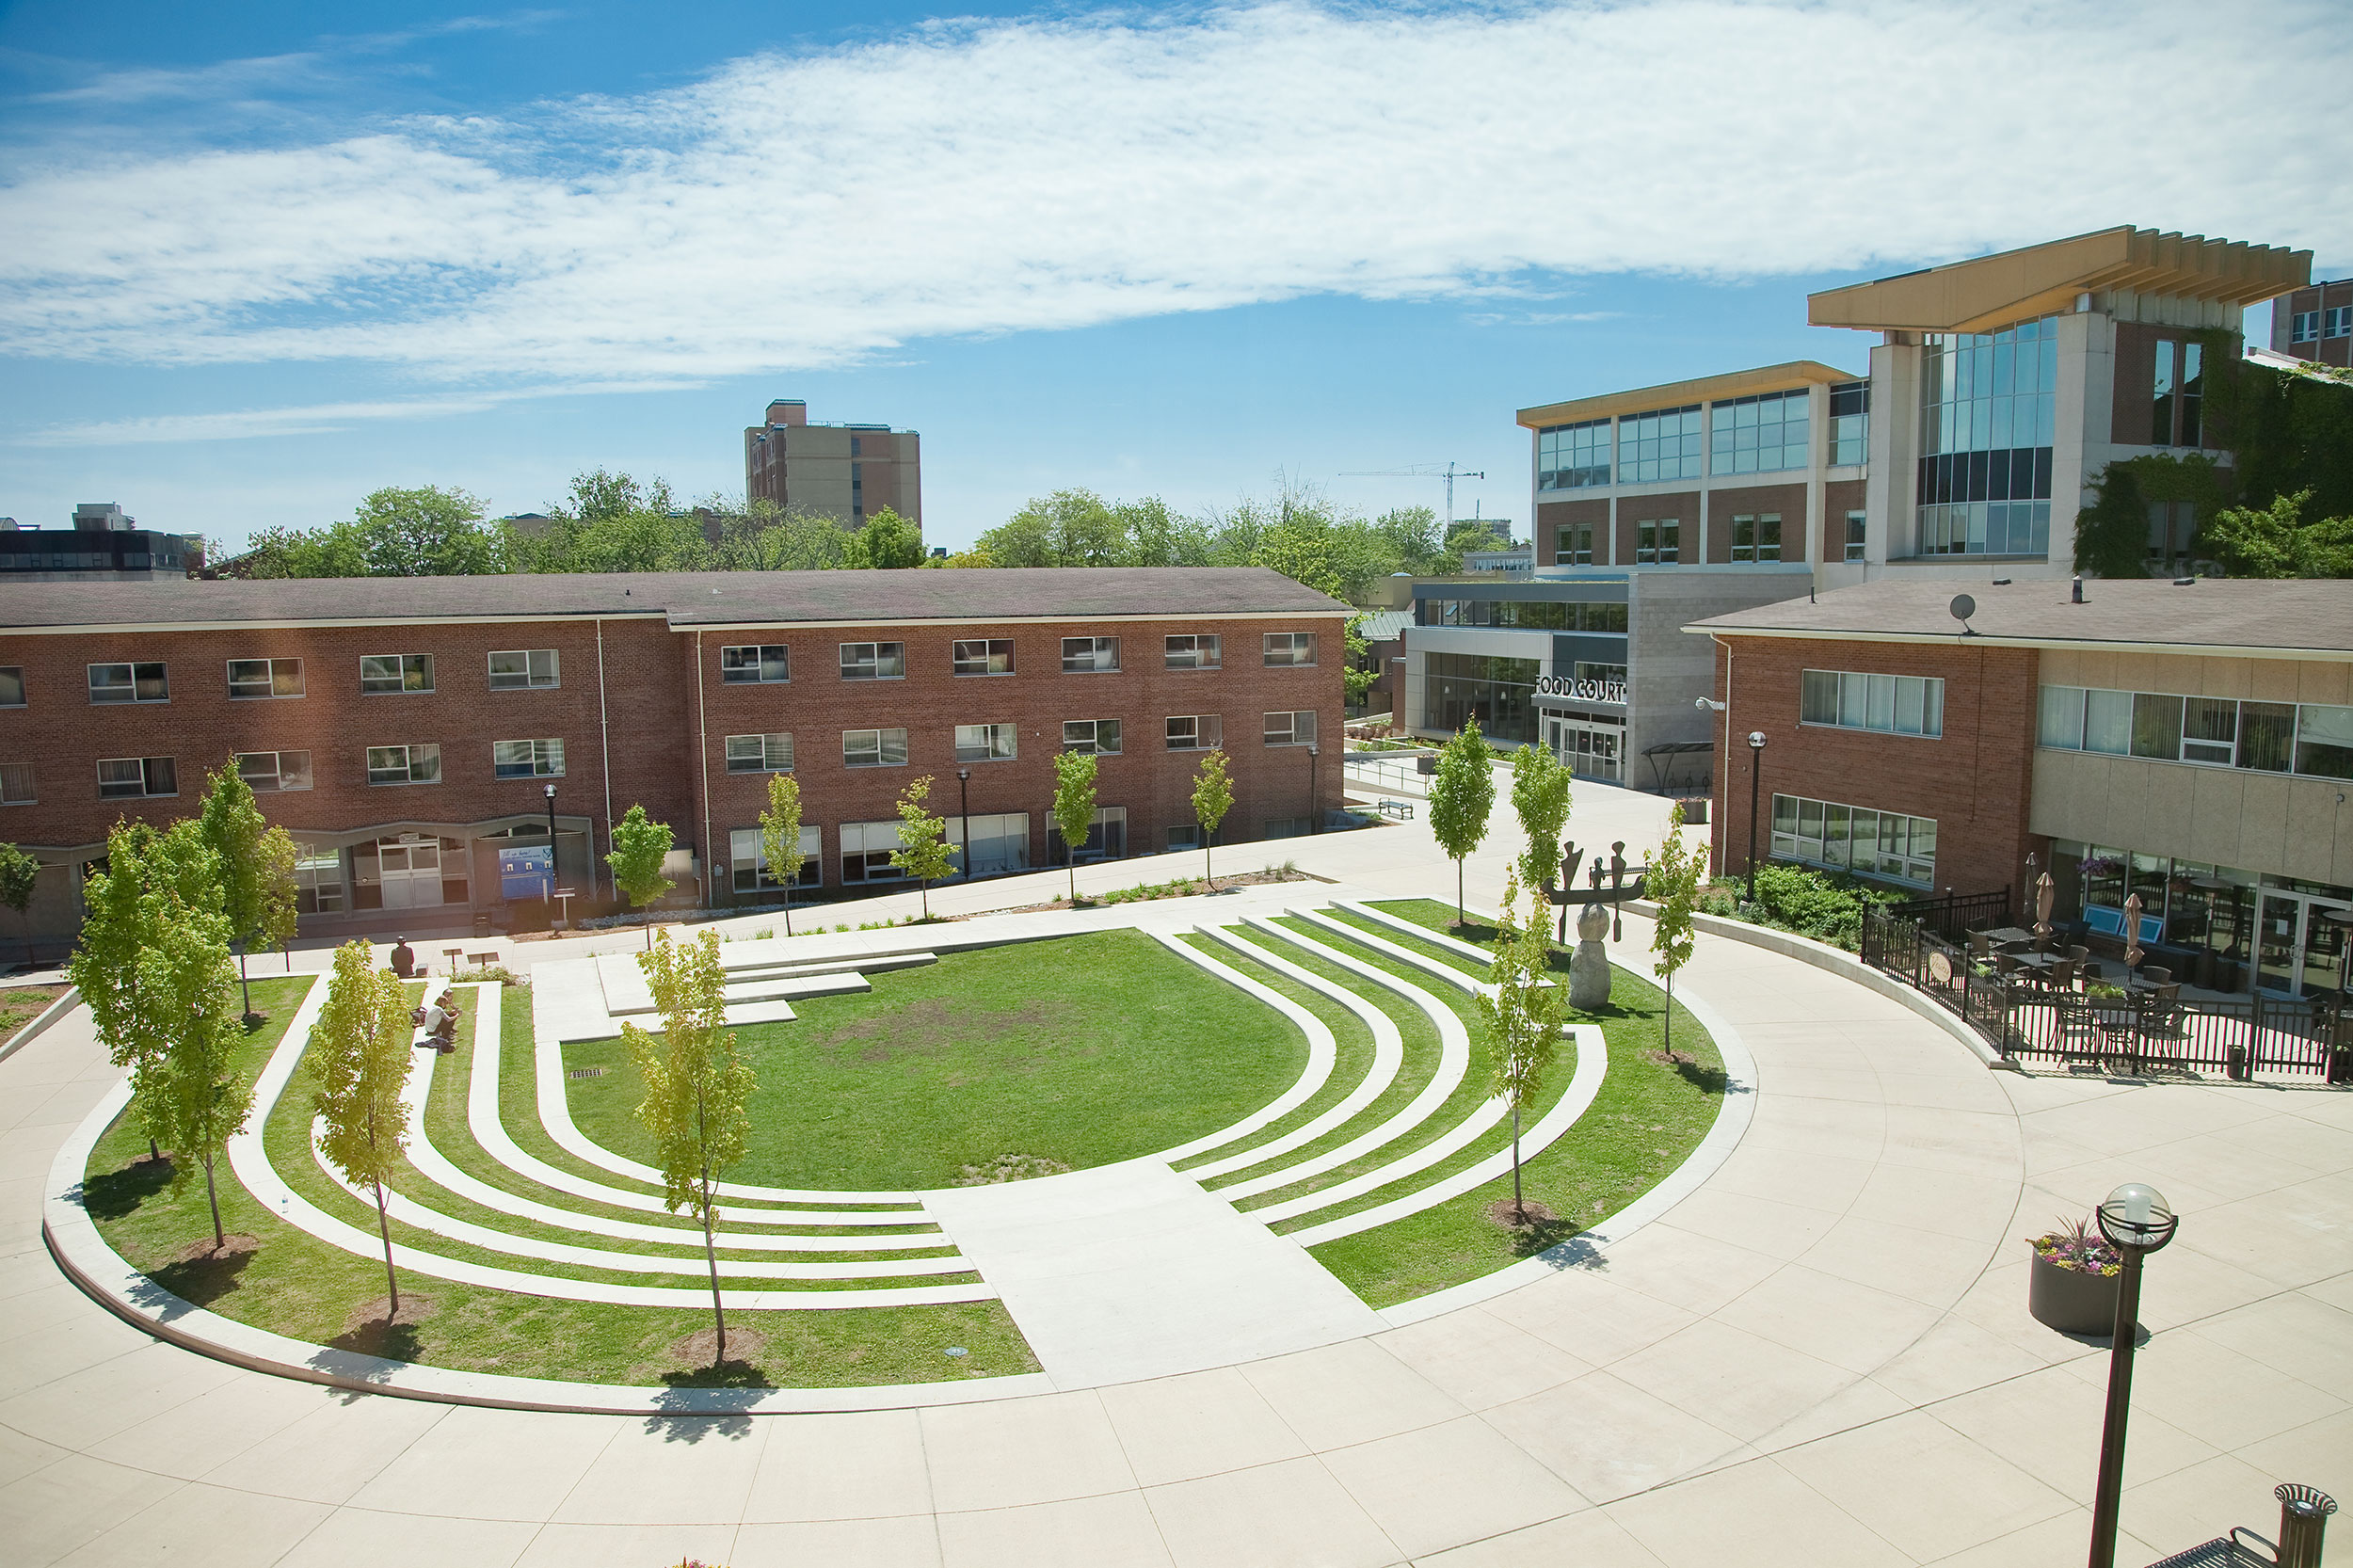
(1595, 749)
(411, 873)
(2299, 950)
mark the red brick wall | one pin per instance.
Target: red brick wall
(1974, 779)
(1839, 497)
(1683, 505)
(1787, 501)
(1552, 515)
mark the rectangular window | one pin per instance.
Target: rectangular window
(2157, 725)
(866, 850)
(256, 678)
(1987, 419)
(2209, 729)
(1573, 457)
(523, 669)
(1285, 827)
(1193, 653)
(1849, 423)
(2324, 741)
(1196, 732)
(410, 764)
(1106, 837)
(1573, 545)
(1185, 836)
(2059, 718)
(1100, 736)
(749, 860)
(1870, 844)
(1889, 704)
(140, 682)
(2193, 396)
(527, 758)
(2337, 321)
(1285, 649)
(985, 656)
(16, 784)
(2266, 736)
(267, 771)
(993, 844)
(1756, 538)
(319, 881)
(873, 748)
(1658, 542)
(1089, 655)
(405, 673)
(2161, 396)
(1660, 446)
(2304, 326)
(1760, 435)
(986, 743)
(1289, 729)
(12, 686)
(873, 661)
(760, 754)
(2108, 722)
(130, 777)
(763, 663)
(1856, 537)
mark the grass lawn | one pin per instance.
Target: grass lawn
(20, 1005)
(295, 1285)
(1649, 1116)
(1082, 1049)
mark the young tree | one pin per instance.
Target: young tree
(923, 853)
(640, 845)
(1676, 871)
(257, 868)
(780, 837)
(695, 1088)
(1540, 793)
(1461, 793)
(1523, 1014)
(1074, 807)
(104, 969)
(426, 531)
(362, 1052)
(1212, 797)
(20, 874)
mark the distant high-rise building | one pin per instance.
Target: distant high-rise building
(846, 470)
(103, 542)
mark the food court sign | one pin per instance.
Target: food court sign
(1578, 690)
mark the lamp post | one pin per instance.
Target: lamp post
(1315, 808)
(2137, 1221)
(551, 843)
(1756, 771)
(964, 816)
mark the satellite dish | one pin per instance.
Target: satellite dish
(1963, 607)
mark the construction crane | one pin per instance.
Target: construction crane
(1422, 470)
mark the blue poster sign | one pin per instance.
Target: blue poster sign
(526, 872)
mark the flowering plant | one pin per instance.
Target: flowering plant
(2077, 1246)
(2099, 865)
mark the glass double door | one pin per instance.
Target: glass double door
(2300, 952)
(1594, 750)
(411, 873)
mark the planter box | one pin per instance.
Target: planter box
(2072, 1300)
(1695, 811)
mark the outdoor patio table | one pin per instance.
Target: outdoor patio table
(2010, 935)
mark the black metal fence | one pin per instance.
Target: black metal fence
(1955, 914)
(2139, 1033)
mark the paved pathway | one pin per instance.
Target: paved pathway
(1822, 1356)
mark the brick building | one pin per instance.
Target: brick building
(844, 470)
(2189, 742)
(409, 732)
(2316, 323)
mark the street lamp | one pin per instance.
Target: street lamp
(1756, 771)
(964, 816)
(2137, 1221)
(551, 844)
(1315, 809)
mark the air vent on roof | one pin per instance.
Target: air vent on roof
(2183, 582)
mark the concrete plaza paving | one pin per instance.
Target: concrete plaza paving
(1821, 1355)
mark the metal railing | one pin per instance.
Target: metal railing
(1956, 915)
(1397, 772)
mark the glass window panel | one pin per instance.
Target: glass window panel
(2157, 725)
(2324, 741)
(2108, 722)
(1817, 700)
(1911, 705)
(2060, 722)
(1881, 714)
(1785, 814)
(1853, 700)
(2209, 729)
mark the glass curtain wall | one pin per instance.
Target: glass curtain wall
(1761, 434)
(1987, 410)
(1499, 693)
(1573, 457)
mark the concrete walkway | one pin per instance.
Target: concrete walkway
(1821, 1356)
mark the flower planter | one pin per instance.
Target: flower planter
(2070, 1300)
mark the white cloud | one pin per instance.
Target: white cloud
(310, 419)
(801, 211)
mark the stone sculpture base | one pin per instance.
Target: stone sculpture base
(1589, 967)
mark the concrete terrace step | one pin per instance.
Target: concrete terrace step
(854, 964)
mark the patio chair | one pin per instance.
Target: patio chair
(2061, 975)
(1980, 946)
(2077, 951)
(2006, 965)
(2157, 976)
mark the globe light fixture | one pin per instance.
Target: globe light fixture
(2137, 1221)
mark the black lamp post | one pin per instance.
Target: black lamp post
(964, 816)
(1315, 802)
(1756, 772)
(551, 844)
(2137, 1221)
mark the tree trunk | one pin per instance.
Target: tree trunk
(1519, 1203)
(1209, 877)
(245, 984)
(1074, 882)
(1667, 1019)
(787, 909)
(711, 1257)
(926, 886)
(392, 1281)
(1461, 920)
(212, 1195)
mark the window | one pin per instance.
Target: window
(986, 743)
(873, 748)
(760, 754)
(993, 844)
(1192, 653)
(12, 686)
(1289, 729)
(1856, 536)
(1106, 837)
(2266, 736)
(1761, 434)
(1289, 648)
(405, 673)
(1986, 416)
(1854, 837)
(128, 683)
(2209, 729)
(1661, 445)
(764, 663)
(2324, 741)
(2313, 739)
(524, 671)
(749, 860)
(2161, 396)
(2304, 326)
(1100, 736)
(2156, 726)
(1196, 732)
(873, 661)
(319, 881)
(527, 758)
(1285, 827)
(253, 678)
(1756, 538)
(1573, 457)
(1658, 542)
(265, 770)
(1891, 704)
(866, 850)
(1850, 422)
(410, 764)
(16, 784)
(1573, 545)
(1185, 836)
(992, 656)
(2193, 396)
(2337, 322)
(1089, 655)
(130, 777)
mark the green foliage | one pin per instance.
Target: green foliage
(1462, 795)
(780, 837)
(2286, 431)
(1359, 672)
(361, 1055)
(640, 845)
(1523, 1011)
(2112, 535)
(1676, 871)
(760, 537)
(1074, 806)
(923, 853)
(426, 532)
(888, 543)
(257, 863)
(1212, 797)
(1825, 906)
(1540, 797)
(2275, 541)
(20, 874)
(1078, 528)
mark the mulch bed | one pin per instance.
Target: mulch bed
(205, 1252)
(1504, 1212)
(701, 1348)
(414, 1308)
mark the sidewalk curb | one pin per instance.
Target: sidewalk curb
(50, 1014)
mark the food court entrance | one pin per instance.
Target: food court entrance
(1592, 743)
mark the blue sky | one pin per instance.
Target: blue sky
(257, 268)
